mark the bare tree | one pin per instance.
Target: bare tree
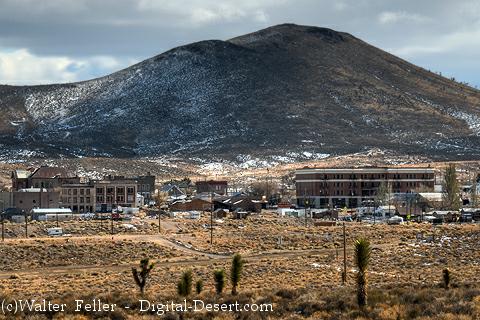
(451, 190)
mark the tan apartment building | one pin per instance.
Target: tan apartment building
(79, 198)
(350, 187)
(109, 194)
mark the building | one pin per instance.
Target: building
(351, 187)
(78, 197)
(191, 205)
(42, 177)
(218, 187)
(112, 193)
(27, 199)
(145, 184)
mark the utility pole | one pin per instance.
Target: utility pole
(26, 225)
(159, 212)
(211, 221)
(344, 274)
(111, 217)
(57, 219)
(3, 220)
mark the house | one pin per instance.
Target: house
(173, 191)
(216, 186)
(244, 203)
(191, 205)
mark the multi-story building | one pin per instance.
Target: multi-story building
(351, 187)
(145, 184)
(42, 177)
(112, 193)
(218, 187)
(79, 198)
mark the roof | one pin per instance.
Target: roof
(222, 182)
(366, 170)
(51, 210)
(22, 174)
(432, 196)
(33, 190)
(45, 172)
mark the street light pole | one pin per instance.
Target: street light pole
(211, 222)
(3, 220)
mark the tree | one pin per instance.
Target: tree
(141, 276)
(473, 193)
(236, 272)
(362, 259)
(219, 277)
(381, 194)
(184, 286)
(199, 286)
(446, 278)
(451, 189)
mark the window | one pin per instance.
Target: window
(69, 191)
(69, 199)
(64, 191)
(87, 192)
(81, 199)
(99, 198)
(120, 190)
(110, 190)
(75, 192)
(120, 198)
(130, 190)
(87, 199)
(99, 190)
(82, 191)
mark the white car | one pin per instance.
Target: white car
(395, 220)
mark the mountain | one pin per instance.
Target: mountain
(285, 92)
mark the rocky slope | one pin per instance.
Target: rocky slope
(285, 93)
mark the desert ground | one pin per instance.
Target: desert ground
(300, 274)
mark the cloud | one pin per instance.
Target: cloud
(22, 67)
(391, 17)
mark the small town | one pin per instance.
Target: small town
(391, 195)
(239, 160)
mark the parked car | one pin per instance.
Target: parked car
(395, 220)
(55, 232)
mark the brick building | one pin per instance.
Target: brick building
(339, 187)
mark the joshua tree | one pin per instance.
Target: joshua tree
(141, 276)
(184, 286)
(219, 276)
(236, 272)
(362, 259)
(199, 286)
(446, 278)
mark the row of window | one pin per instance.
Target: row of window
(74, 191)
(111, 199)
(76, 199)
(375, 176)
(111, 190)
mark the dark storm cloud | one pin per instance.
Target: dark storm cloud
(85, 38)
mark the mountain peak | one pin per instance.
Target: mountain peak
(287, 92)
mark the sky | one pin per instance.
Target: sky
(56, 41)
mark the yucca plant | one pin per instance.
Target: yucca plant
(362, 259)
(446, 278)
(141, 276)
(184, 286)
(236, 272)
(219, 277)
(199, 286)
